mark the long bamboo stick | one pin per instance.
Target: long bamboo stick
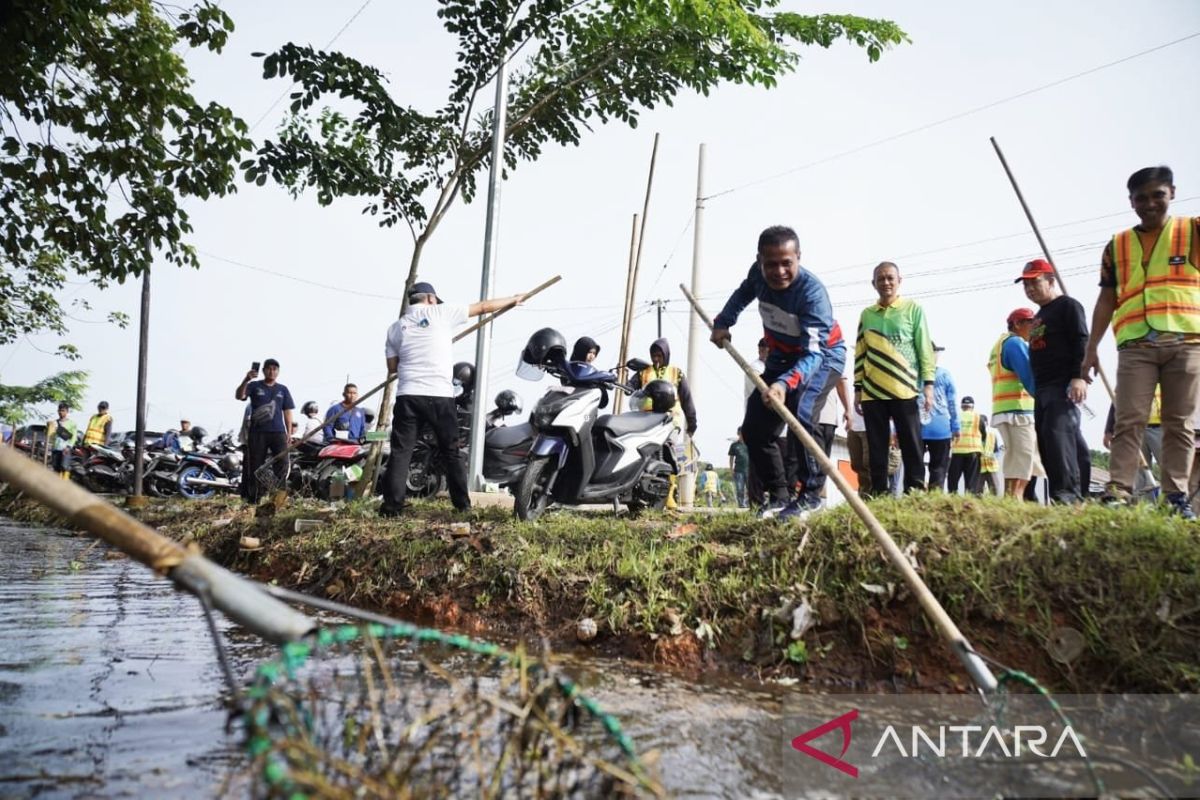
(974, 665)
(236, 597)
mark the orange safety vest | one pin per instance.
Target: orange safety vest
(1008, 393)
(1162, 294)
(987, 462)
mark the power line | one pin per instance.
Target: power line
(951, 118)
(328, 45)
(285, 276)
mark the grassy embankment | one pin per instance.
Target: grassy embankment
(1012, 575)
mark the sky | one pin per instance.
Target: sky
(868, 162)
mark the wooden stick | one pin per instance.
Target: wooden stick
(974, 665)
(239, 599)
(378, 388)
(623, 351)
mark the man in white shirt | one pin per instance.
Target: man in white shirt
(420, 352)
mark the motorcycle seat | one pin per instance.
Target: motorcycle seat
(630, 422)
(508, 436)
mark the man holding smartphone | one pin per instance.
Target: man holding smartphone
(270, 422)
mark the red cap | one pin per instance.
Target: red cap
(1035, 269)
(1020, 315)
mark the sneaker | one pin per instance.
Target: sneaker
(801, 508)
(1177, 502)
(390, 511)
(1115, 496)
(772, 509)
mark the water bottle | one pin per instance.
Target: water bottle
(926, 416)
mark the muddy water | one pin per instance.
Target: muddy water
(109, 686)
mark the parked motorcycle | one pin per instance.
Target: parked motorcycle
(579, 457)
(202, 474)
(100, 469)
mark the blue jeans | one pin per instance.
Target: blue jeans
(739, 488)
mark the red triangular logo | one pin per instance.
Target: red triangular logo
(839, 723)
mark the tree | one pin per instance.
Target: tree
(572, 65)
(100, 141)
(18, 404)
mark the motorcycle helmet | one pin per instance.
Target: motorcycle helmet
(310, 407)
(508, 402)
(464, 373)
(197, 433)
(661, 395)
(545, 346)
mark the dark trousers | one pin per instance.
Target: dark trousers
(965, 466)
(762, 426)
(879, 416)
(1059, 438)
(439, 413)
(939, 461)
(261, 445)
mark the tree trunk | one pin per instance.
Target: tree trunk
(366, 485)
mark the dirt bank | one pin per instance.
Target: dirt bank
(1084, 599)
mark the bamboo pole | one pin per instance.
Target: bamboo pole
(971, 660)
(626, 313)
(239, 599)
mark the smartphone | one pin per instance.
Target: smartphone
(254, 367)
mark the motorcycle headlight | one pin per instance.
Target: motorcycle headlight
(547, 409)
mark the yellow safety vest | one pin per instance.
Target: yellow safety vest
(988, 463)
(969, 439)
(672, 374)
(95, 429)
(1156, 407)
(1008, 393)
(1162, 295)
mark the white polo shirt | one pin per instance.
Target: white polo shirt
(423, 341)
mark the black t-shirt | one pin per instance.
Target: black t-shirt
(1057, 342)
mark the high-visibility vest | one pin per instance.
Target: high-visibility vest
(672, 374)
(969, 439)
(987, 462)
(1163, 295)
(1008, 393)
(95, 429)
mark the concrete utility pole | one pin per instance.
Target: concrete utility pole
(695, 326)
(139, 445)
(491, 243)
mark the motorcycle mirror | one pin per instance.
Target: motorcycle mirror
(636, 364)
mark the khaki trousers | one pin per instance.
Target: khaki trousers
(1175, 367)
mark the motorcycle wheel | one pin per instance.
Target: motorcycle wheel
(195, 492)
(532, 498)
(424, 478)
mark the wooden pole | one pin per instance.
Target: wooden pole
(971, 660)
(626, 314)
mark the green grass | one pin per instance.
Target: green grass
(1009, 573)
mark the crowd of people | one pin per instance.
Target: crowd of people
(905, 406)
(902, 409)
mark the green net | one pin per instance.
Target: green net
(401, 711)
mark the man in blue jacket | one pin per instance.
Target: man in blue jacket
(806, 358)
(353, 422)
(942, 426)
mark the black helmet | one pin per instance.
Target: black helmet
(197, 433)
(310, 407)
(661, 394)
(464, 373)
(508, 402)
(545, 346)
